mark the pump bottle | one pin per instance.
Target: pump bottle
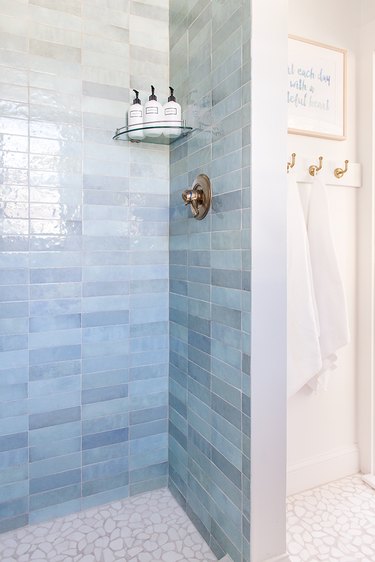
(135, 118)
(153, 113)
(172, 116)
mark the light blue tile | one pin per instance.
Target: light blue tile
(16, 507)
(105, 423)
(103, 469)
(101, 454)
(55, 370)
(105, 497)
(61, 448)
(98, 364)
(148, 386)
(51, 323)
(53, 465)
(38, 340)
(55, 307)
(116, 406)
(106, 348)
(14, 293)
(106, 483)
(38, 437)
(15, 490)
(106, 378)
(53, 511)
(11, 359)
(154, 456)
(13, 458)
(13, 326)
(14, 276)
(55, 275)
(12, 392)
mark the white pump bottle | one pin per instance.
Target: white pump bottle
(135, 119)
(172, 116)
(153, 113)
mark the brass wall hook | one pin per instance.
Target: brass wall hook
(292, 163)
(313, 170)
(339, 172)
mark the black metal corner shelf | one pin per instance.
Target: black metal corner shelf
(123, 132)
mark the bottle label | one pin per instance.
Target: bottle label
(152, 111)
(135, 113)
(170, 111)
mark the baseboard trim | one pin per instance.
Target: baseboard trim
(315, 471)
(369, 479)
(282, 558)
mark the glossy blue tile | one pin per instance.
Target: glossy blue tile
(57, 417)
(105, 318)
(105, 438)
(15, 507)
(59, 322)
(55, 481)
(54, 497)
(16, 441)
(105, 469)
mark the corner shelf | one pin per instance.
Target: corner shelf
(122, 132)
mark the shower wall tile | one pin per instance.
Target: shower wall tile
(84, 258)
(209, 386)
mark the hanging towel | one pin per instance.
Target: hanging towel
(328, 285)
(303, 348)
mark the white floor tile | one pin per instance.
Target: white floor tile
(142, 528)
(335, 522)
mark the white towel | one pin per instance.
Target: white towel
(328, 285)
(303, 348)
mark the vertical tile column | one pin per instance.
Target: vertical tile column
(105, 307)
(210, 276)
(14, 265)
(55, 260)
(148, 238)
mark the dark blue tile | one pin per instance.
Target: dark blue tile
(148, 473)
(178, 435)
(59, 480)
(13, 523)
(233, 415)
(105, 438)
(105, 318)
(13, 508)
(57, 417)
(104, 393)
(226, 467)
(54, 497)
(148, 415)
(103, 484)
(16, 441)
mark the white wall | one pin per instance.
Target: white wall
(322, 428)
(268, 281)
(366, 144)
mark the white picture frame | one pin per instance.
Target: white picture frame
(316, 89)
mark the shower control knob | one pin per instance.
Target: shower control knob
(199, 196)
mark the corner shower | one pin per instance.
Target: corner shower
(124, 322)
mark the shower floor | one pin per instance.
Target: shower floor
(335, 522)
(144, 528)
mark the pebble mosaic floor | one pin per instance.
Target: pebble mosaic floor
(332, 523)
(142, 528)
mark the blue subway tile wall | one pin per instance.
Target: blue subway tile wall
(209, 422)
(83, 258)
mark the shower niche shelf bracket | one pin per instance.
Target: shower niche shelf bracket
(179, 131)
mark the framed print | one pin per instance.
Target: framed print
(316, 89)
